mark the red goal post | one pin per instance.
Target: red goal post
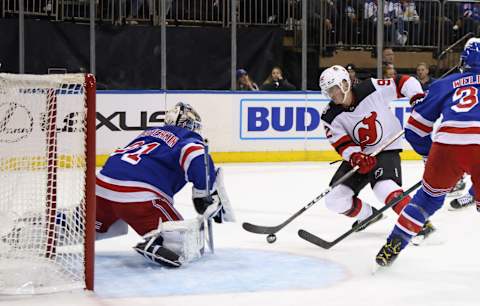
(47, 189)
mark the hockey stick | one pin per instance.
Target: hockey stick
(328, 244)
(259, 229)
(209, 196)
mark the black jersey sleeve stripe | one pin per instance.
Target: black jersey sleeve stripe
(343, 143)
(331, 112)
(344, 146)
(363, 90)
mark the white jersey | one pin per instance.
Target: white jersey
(369, 121)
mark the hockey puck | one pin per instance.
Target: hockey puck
(271, 238)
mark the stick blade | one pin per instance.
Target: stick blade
(314, 239)
(258, 229)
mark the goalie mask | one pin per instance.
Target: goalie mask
(470, 57)
(334, 79)
(183, 115)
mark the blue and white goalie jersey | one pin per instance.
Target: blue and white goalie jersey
(156, 164)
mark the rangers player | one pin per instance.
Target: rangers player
(454, 150)
(137, 184)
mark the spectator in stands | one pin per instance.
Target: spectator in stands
(350, 24)
(407, 22)
(321, 17)
(134, 13)
(388, 56)
(409, 11)
(469, 20)
(423, 76)
(353, 74)
(139, 10)
(276, 81)
(450, 30)
(370, 20)
(396, 34)
(389, 71)
(244, 82)
(329, 18)
(260, 12)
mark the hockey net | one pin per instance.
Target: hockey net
(47, 181)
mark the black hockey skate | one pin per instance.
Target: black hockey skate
(424, 233)
(364, 226)
(389, 252)
(153, 250)
(462, 202)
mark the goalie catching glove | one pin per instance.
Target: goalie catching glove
(217, 204)
(365, 162)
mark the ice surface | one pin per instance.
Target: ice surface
(248, 271)
(226, 271)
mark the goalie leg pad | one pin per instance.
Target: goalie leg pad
(175, 243)
(186, 238)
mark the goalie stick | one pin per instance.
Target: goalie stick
(259, 229)
(211, 245)
(328, 244)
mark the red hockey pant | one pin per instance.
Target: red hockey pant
(447, 163)
(143, 217)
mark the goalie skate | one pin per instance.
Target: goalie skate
(152, 249)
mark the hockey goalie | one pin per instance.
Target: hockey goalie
(138, 182)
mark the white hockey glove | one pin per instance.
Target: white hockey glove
(217, 205)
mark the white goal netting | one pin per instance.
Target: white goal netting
(43, 179)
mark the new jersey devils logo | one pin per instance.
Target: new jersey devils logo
(368, 131)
